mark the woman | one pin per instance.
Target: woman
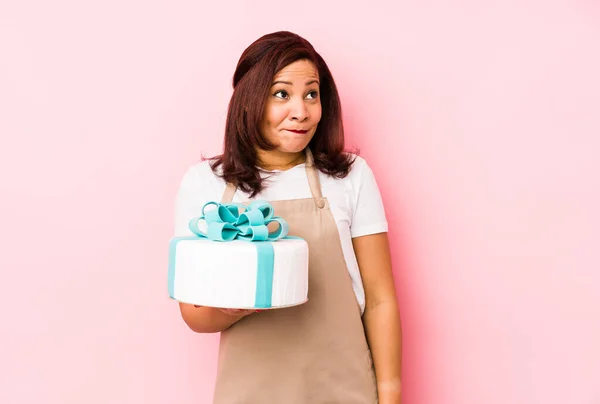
(284, 143)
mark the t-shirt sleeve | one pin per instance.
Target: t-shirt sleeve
(189, 201)
(368, 210)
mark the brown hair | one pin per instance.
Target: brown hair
(255, 70)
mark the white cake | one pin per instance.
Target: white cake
(237, 274)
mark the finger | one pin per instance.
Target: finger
(231, 311)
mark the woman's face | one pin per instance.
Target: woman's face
(293, 108)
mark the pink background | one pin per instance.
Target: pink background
(480, 120)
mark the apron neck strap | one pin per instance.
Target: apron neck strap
(228, 193)
(313, 181)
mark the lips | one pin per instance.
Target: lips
(297, 131)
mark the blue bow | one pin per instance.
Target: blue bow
(227, 222)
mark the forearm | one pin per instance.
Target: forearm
(206, 319)
(384, 333)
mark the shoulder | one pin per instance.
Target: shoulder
(199, 178)
(198, 173)
(359, 165)
(361, 179)
(359, 171)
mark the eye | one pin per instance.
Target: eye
(281, 94)
(314, 94)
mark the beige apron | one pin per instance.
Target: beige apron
(314, 353)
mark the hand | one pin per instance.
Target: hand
(233, 312)
(237, 312)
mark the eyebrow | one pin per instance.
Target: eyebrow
(289, 83)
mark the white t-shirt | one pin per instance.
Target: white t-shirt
(355, 202)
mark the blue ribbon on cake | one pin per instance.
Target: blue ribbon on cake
(228, 222)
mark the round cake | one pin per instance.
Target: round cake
(239, 274)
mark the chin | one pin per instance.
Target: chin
(296, 146)
(292, 149)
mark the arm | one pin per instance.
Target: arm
(209, 319)
(193, 192)
(381, 317)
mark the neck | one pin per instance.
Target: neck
(275, 160)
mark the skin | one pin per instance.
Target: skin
(294, 103)
(381, 318)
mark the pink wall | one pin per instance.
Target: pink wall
(480, 119)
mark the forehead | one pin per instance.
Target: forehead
(300, 69)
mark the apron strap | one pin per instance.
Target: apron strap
(228, 193)
(313, 181)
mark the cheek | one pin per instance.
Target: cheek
(276, 114)
(317, 113)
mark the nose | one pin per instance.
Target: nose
(298, 111)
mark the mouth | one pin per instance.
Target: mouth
(297, 131)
